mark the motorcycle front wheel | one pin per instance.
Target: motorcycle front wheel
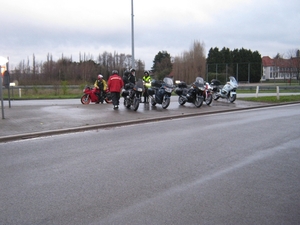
(166, 102)
(208, 99)
(198, 101)
(85, 99)
(136, 103)
(232, 98)
(181, 100)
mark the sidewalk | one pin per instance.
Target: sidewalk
(35, 118)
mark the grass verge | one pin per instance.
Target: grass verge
(273, 99)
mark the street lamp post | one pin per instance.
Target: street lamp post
(3, 61)
(132, 37)
(2, 107)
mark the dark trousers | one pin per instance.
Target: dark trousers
(115, 97)
(100, 95)
(145, 94)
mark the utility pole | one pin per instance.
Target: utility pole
(132, 37)
(3, 62)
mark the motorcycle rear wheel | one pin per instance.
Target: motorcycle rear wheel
(181, 100)
(85, 99)
(108, 98)
(153, 102)
(108, 101)
(127, 103)
(215, 97)
(166, 102)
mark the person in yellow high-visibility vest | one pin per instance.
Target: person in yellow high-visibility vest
(147, 84)
(101, 86)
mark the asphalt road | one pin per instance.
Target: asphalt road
(238, 167)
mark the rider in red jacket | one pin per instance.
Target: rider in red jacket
(115, 84)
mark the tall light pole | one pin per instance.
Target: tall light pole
(132, 37)
(3, 62)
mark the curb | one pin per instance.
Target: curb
(125, 123)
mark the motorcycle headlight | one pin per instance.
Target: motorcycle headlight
(140, 89)
(169, 90)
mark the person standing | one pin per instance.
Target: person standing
(131, 77)
(115, 84)
(147, 84)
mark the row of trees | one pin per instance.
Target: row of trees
(243, 64)
(185, 67)
(65, 69)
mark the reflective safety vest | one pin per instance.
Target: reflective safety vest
(147, 81)
(101, 84)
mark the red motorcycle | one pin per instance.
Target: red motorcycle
(94, 95)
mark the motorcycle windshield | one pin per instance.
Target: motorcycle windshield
(168, 81)
(233, 82)
(199, 82)
(139, 85)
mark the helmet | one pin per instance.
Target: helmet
(146, 72)
(132, 70)
(115, 72)
(100, 77)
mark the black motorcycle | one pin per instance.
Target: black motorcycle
(132, 94)
(160, 92)
(192, 94)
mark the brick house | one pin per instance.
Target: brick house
(280, 68)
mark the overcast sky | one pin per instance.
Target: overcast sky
(71, 27)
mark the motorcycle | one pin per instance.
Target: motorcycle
(93, 95)
(228, 91)
(160, 92)
(132, 94)
(207, 94)
(194, 94)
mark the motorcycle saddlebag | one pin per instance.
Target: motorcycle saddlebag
(150, 91)
(125, 93)
(129, 86)
(178, 91)
(156, 83)
(182, 85)
(215, 82)
(159, 96)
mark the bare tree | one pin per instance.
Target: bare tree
(294, 62)
(190, 64)
(51, 72)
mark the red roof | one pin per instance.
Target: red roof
(267, 61)
(283, 63)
